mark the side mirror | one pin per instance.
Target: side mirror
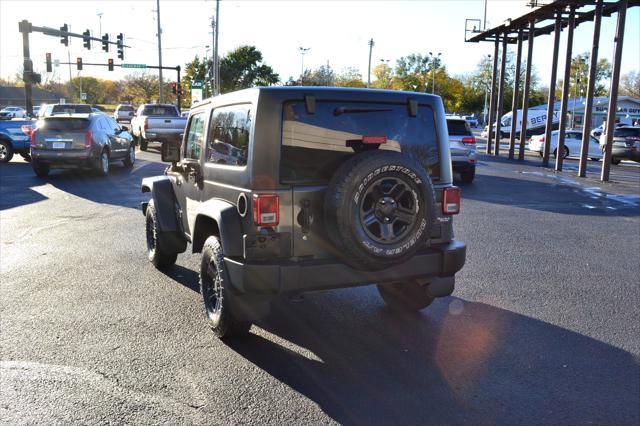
(170, 153)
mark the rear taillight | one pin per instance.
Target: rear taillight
(146, 123)
(32, 137)
(88, 139)
(541, 138)
(451, 200)
(26, 129)
(266, 210)
(469, 140)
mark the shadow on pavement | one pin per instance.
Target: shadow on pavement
(457, 363)
(121, 187)
(557, 197)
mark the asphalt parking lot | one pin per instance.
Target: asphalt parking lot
(543, 327)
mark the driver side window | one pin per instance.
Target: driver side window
(195, 137)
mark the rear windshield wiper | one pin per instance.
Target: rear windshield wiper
(343, 110)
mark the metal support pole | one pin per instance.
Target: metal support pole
(212, 70)
(591, 85)
(552, 91)
(179, 88)
(492, 99)
(565, 89)
(613, 91)
(161, 100)
(503, 67)
(514, 104)
(28, 68)
(216, 57)
(525, 95)
(369, 69)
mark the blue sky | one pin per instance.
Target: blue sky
(336, 31)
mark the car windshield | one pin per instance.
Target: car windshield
(71, 109)
(458, 128)
(125, 108)
(313, 145)
(160, 110)
(65, 124)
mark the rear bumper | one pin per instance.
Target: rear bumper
(161, 136)
(438, 263)
(71, 159)
(624, 152)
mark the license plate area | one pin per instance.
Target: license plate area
(59, 145)
(267, 246)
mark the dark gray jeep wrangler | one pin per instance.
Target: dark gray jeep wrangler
(286, 190)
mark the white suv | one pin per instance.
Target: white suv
(462, 144)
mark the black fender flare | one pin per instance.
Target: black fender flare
(220, 218)
(164, 201)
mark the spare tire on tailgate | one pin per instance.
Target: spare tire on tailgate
(379, 207)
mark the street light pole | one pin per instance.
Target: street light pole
(161, 100)
(216, 54)
(486, 92)
(434, 63)
(371, 44)
(303, 51)
(100, 19)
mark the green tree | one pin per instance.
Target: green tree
(384, 77)
(579, 76)
(243, 68)
(350, 77)
(630, 84)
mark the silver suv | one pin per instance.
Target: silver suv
(123, 113)
(462, 144)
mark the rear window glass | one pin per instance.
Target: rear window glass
(625, 133)
(168, 111)
(458, 128)
(71, 109)
(125, 108)
(66, 124)
(314, 145)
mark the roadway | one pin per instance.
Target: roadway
(543, 327)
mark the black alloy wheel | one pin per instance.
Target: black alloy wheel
(388, 210)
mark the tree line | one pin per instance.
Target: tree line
(244, 67)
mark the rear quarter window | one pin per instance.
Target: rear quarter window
(161, 111)
(314, 145)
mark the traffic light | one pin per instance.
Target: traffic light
(173, 88)
(86, 37)
(64, 38)
(110, 64)
(79, 63)
(49, 68)
(105, 42)
(120, 43)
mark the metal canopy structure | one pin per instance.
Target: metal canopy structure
(551, 18)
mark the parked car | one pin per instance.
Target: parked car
(7, 113)
(87, 141)
(157, 122)
(626, 144)
(36, 109)
(572, 144)
(462, 145)
(472, 120)
(124, 113)
(596, 132)
(14, 139)
(334, 188)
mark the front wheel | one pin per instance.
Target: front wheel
(615, 161)
(157, 254)
(103, 164)
(6, 152)
(407, 297)
(143, 144)
(216, 292)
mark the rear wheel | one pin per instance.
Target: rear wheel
(6, 152)
(41, 170)
(26, 157)
(131, 156)
(157, 254)
(468, 175)
(143, 144)
(217, 293)
(565, 150)
(407, 297)
(103, 164)
(615, 160)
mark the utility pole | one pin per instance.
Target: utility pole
(371, 44)
(69, 61)
(216, 54)
(159, 50)
(434, 64)
(485, 16)
(100, 18)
